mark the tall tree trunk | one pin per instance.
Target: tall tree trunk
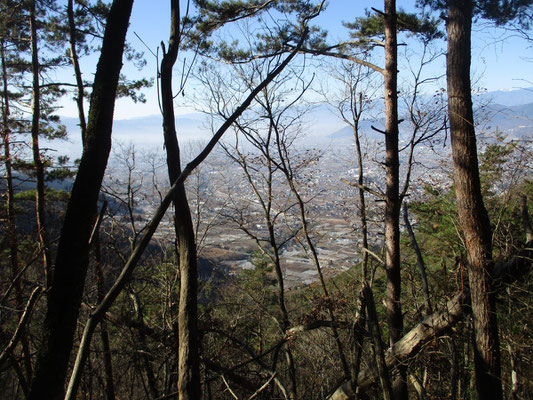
(392, 202)
(11, 216)
(357, 110)
(72, 259)
(362, 205)
(285, 322)
(472, 213)
(37, 160)
(189, 387)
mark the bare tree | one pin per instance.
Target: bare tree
(354, 101)
(253, 150)
(98, 314)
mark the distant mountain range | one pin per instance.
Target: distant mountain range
(508, 116)
(144, 132)
(514, 97)
(509, 111)
(514, 121)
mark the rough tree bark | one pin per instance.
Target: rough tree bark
(473, 216)
(392, 201)
(72, 259)
(188, 347)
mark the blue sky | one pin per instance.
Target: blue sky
(499, 60)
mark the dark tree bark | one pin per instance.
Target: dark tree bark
(473, 216)
(189, 387)
(145, 357)
(392, 200)
(68, 279)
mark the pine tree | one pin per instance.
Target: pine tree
(473, 215)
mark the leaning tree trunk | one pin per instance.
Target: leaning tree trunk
(392, 202)
(473, 216)
(72, 259)
(189, 387)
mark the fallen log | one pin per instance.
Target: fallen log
(436, 324)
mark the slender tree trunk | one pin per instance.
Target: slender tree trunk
(77, 71)
(361, 180)
(189, 387)
(526, 223)
(11, 216)
(472, 213)
(392, 202)
(378, 347)
(420, 261)
(145, 356)
(104, 333)
(286, 168)
(72, 259)
(37, 160)
(281, 288)
(284, 322)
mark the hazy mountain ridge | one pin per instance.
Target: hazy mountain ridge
(516, 121)
(509, 111)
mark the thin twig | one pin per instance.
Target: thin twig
(262, 387)
(22, 322)
(374, 255)
(229, 388)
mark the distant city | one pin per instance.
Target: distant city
(230, 219)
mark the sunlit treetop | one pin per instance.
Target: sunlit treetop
(290, 22)
(499, 11)
(372, 26)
